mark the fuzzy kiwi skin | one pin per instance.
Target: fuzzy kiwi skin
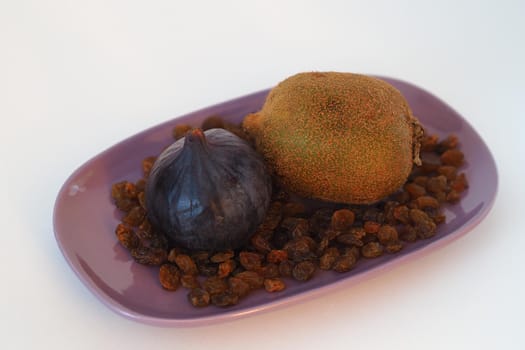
(338, 137)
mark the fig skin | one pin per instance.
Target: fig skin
(338, 137)
(208, 191)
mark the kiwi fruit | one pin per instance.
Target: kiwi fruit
(338, 137)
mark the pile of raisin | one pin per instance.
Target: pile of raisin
(294, 241)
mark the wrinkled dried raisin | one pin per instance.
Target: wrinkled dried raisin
(189, 281)
(371, 226)
(253, 279)
(344, 263)
(149, 256)
(221, 256)
(285, 268)
(186, 264)
(276, 256)
(327, 260)
(372, 250)
(303, 271)
(238, 286)
(226, 298)
(249, 260)
(424, 225)
(386, 234)
(274, 285)
(169, 276)
(342, 219)
(226, 267)
(415, 190)
(147, 164)
(135, 216)
(126, 236)
(180, 130)
(452, 157)
(198, 297)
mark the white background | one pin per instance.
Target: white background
(78, 76)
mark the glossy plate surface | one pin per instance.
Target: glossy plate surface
(85, 219)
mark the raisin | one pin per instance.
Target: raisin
(189, 281)
(269, 270)
(238, 286)
(135, 216)
(207, 269)
(222, 256)
(226, 267)
(450, 172)
(300, 249)
(371, 226)
(296, 227)
(186, 264)
(253, 279)
(389, 212)
(285, 268)
(201, 257)
(387, 234)
(358, 232)
(349, 239)
(394, 247)
(144, 231)
(342, 219)
(198, 297)
(427, 202)
(327, 260)
(172, 254)
(401, 214)
(180, 130)
(274, 285)
(354, 251)
(140, 186)
(408, 234)
(142, 199)
(237, 130)
(453, 196)
(415, 190)
(460, 183)
(449, 142)
(226, 298)
(344, 263)
(320, 220)
(249, 260)
(260, 243)
(372, 250)
(452, 157)
(420, 180)
(273, 216)
(213, 122)
(424, 225)
(276, 256)
(149, 256)
(215, 285)
(126, 236)
(437, 184)
(429, 143)
(147, 164)
(303, 271)
(169, 276)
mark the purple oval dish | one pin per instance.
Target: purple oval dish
(85, 219)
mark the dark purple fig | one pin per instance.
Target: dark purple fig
(208, 191)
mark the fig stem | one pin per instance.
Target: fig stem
(195, 137)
